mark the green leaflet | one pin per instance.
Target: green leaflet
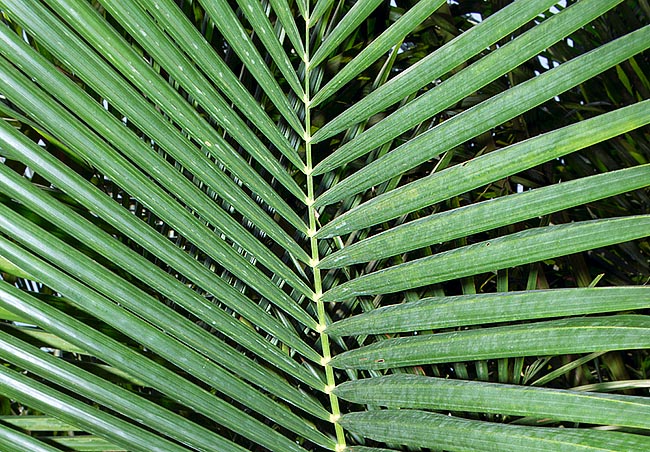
(434, 66)
(419, 428)
(532, 245)
(128, 224)
(14, 441)
(488, 114)
(162, 162)
(281, 8)
(174, 345)
(368, 449)
(10, 268)
(136, 107)
(82, 442)
(319, 9)
(69, 409)
(413, 391)
(555, 337)
(359, 11)
(124, 358)
(43, 337)
(477, 309)
(94, 388)
(483, 216)
(489, 167)
(102, 243)
(376, 49)
(135, 181)
(37, 423)
(228, 23)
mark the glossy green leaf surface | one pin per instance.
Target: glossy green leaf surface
(498, 109)
(464, 310)
(37, 423)
(94, 388)
(471, 174)
(419, 428)
(173, 350)
(470, 79)
(410, 20)
(490, 214)
(89, 195)
(348, 24)
(411, 391)
(532, 245)
(205, 57)
(88, 62)
(15, 441)
(122, 357)
(575, 335)
(436, 64)
(68, 409)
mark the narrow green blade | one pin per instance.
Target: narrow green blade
(173, 344)
(357, 14)
(490, 167)
(319, 9)
(167, 347)
(37, 423)
(413, 391)
(498, 109)
(181, 68)
(555, 337)
(11, 269)
(262, 26)
(283, 11)
(170, 18)
(117, 91)
(470, 79)
(113, 130)
(15, 441)
(476, 309)
(45, 399)
(422, 429)
(228, 24)
(302, 7)
(40, 337)
(134, 181)
(86, 443)
(378, 48)
(115, 251)
(491, 214)
(96, 201)
(430, 68)
(87, 385)
(531, 245)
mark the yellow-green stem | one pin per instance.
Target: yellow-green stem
(318, 285)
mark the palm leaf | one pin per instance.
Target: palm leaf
(188, 190)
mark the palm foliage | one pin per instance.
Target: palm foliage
(324, 226)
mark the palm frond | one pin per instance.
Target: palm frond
(324, 225)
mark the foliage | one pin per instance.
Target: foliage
(342, 225)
